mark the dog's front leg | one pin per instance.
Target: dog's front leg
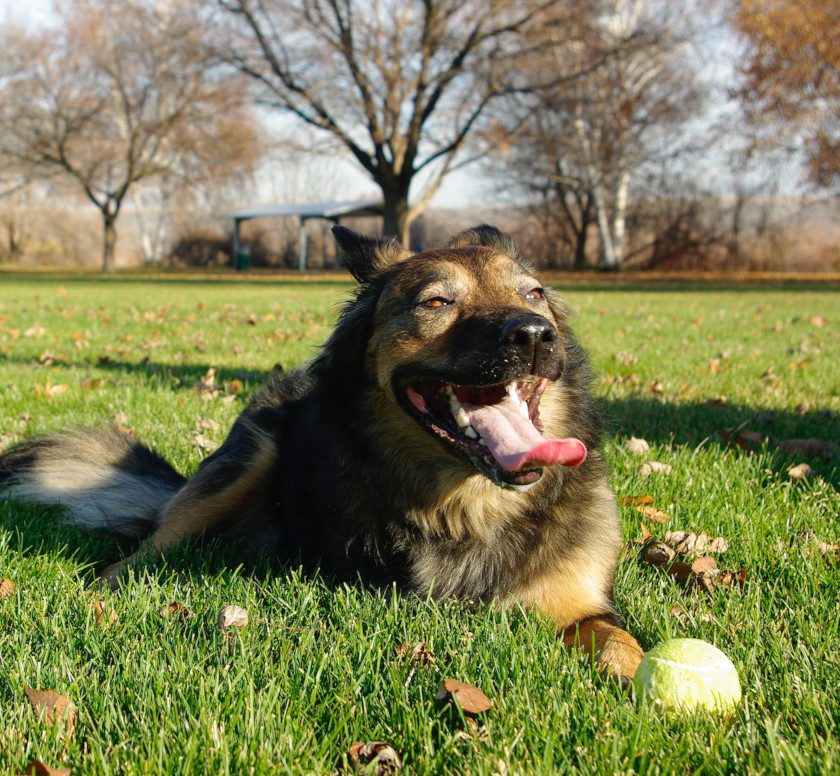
(613, 648)
(215, 495)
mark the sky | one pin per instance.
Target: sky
(342, 179)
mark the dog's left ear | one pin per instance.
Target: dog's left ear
(486, 235)
(366, 257)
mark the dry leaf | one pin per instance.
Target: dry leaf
(205, 444)
(703, 565)
(654, 467)
(677, 612)
(828, 549)
(104, 614)
(48, 390)
(417, 652)
(657, 386)
(7, 588)
(625, 358)
(207, 424)
(469, 698)
(657, 554)
(39, 768)
(817, 320)
(176, 611)
(636, 446)
(35, 331)
(232, 616)
(234, 387)
(653, 514)
(800, 472)
(814, 448)
(91, 383)
(53, 707)
(728, 578)
(714, 366)
(121, 419)
(633, 501)
(382, 756)
(645, 533)
(474, 733)
(692, 543)
(681, 572)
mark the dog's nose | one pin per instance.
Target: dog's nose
(532, 337)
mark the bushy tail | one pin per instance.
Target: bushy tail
(103, 478)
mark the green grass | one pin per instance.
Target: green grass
(316, 670)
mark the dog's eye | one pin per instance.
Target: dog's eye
(535, 294)
(436, 302)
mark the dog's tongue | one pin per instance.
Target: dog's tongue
(513, 440)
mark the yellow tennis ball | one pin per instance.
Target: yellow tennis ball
(685, 675)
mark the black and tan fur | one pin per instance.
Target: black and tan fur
(327, 467)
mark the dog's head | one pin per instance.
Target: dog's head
(466, 343)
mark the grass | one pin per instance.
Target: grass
(316, 669)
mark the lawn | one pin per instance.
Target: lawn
(316, 668)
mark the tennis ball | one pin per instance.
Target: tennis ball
(685, 675)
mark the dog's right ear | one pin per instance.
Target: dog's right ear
(366, 257)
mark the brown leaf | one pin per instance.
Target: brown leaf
(729, 578)
(714, 366)
(645, 533)
(657, 386)
(469, 698)
(654, 467)
(632, 501)
(657, 554)
(104, 614)
(176, 611)
(681, 572)
(692, 543)
(653, 514)
(703, 564)
(53, 707)
(207, 424)
(204, 444)
(92, 384)
(817, 320)
(814, 448)
(381, 755)
(417, 652)
(800, 472)
(39, 768)
(234, 387)
(7, 588)
(626, 358)
(232, 616)
(825, 548)
(636, 446)
(677, 612)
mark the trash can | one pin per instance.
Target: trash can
(243, 258)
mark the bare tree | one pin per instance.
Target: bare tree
(118, 94)
(584, 141)
(402, 84)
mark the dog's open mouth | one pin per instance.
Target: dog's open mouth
(497, 427)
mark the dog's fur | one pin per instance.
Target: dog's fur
(326, 466)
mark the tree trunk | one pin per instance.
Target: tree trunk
(109, 243)
(608, 257)
(396, 215)
(619, 225)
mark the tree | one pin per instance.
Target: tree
(792, 77)
(119, 94)
(627, 95)
(403, 85)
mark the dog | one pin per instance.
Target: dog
(444, 439)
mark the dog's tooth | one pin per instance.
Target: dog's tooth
(523, 409)
(461, 417)
(471, 432)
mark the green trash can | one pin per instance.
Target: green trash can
(243, 258)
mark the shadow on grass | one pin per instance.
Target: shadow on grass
(39, 530)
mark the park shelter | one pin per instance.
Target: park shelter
(331, 211)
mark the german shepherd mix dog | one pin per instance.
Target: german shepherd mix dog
(443, 439)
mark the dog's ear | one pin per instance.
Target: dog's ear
(365, 257)
(487, 235)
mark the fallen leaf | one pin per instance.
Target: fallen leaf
(121, 418)
(817, 320)
(681, 572)
(232, 616)
(636, 446)
(645, 533)
(176, 611)
(625, 358)
(417, 652)
(703, 564)
(104, 614)
(234, 387)
(48, 390)
(633, 501)
(657, 554)
(474, 733)
(39, 768)
(207, 424)
(35, 331)
(469, 698)
(7, 588)
(800, 472)
(381, 755)
(657, 386)
(687, 543)
(677, 612)
(747, 440)
(729, 578)
(654, 467)
(827, 548)
(93, 383)
(714, 366)
(53, 707)
(205, 444)
(814, 448)
(653, 514)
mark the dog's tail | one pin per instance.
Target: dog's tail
(104, 479)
